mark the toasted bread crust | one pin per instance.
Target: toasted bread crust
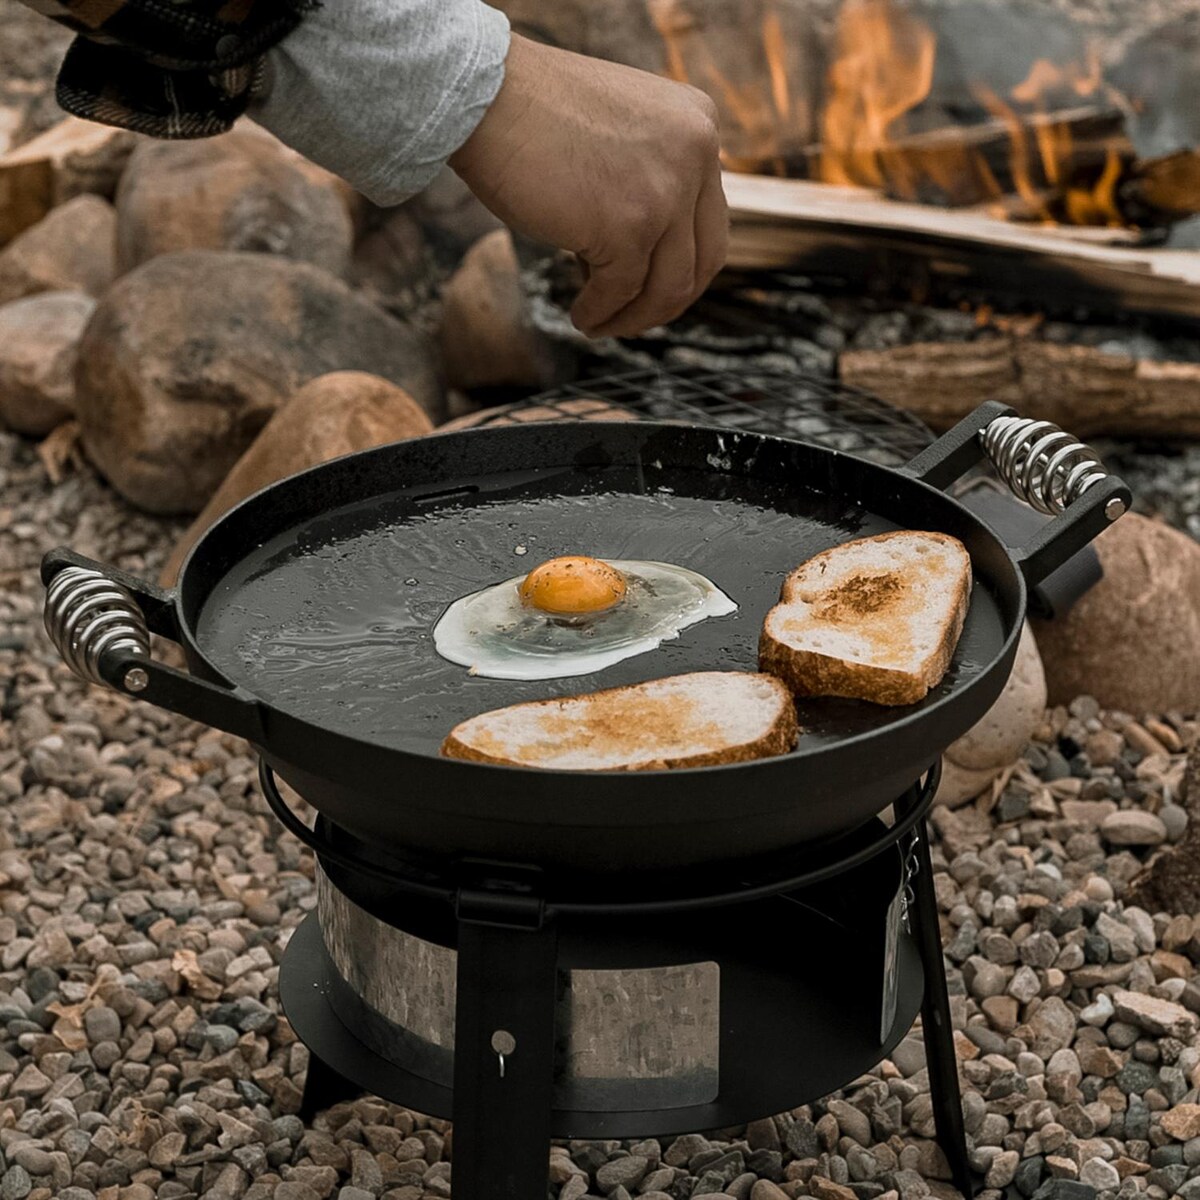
(810, 673)
(778, 739)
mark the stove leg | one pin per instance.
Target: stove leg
(323, 1088)
(935, 1019)
(507, 983)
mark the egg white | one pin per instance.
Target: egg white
(497, 636)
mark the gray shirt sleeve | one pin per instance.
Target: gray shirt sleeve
(382, 92)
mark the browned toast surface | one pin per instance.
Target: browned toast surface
(701, 719)
(876, 619)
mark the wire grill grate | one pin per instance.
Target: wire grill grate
(803, 407)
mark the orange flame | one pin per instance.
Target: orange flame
(882, 71)
(883, 68)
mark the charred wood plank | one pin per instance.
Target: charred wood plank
(856, 236)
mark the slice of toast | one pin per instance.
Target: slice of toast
(697, 720)
(875, 619)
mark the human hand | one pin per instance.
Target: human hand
(618, 166)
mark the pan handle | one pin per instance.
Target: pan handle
(1042, 465)
(100, 620)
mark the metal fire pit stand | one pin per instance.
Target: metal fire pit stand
(787, 1035)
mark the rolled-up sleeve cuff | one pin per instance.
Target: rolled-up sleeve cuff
(382, 92)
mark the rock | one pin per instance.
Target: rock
(1002, 1012)
(1133, 827)
(1182, 1122)
(983, 978)
(1133, 641)
(764, 1189)
(1160, 1017)
(31, 1083)
(70, 249)
(392, 262)
(73, 158)
(971, 763)
(1099, 1174)
(582, 408)
(852, 1122)
(826, 1189)
(331, 415)
(622, 1172)
(188, 357)
(1099, 1012)
(486, 341)
(1175, 821)
(449, 211)
(241, 191)
(39, 338)
(102, 1024)
(1002, 1169)
(15, 1184)
(1053, 1027)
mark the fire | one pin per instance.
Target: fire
(1049, 148)
(883, 68)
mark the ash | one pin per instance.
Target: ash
(147, 895)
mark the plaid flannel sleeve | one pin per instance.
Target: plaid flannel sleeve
(168, 68)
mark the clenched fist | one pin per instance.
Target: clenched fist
(615, 164)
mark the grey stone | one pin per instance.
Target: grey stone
(622, 1172)
(801, 1139)
(15, 1184)
(851, 1121)
(102, 1025)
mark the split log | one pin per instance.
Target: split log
(1090, 392)
(68, 160)
(855, 236)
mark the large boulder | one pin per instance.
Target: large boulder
(241, 191)
(1133, 641)
(486, 341)
(996, 742)
(188, 357)
(334, 415)
(39, 337)
(71, 248)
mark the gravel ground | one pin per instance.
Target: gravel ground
(146, 896)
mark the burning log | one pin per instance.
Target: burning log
(1092, 392)
(1161, 190)
(965, 165)
(856, 236)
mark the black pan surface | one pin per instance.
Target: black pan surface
(317, 599)
(332, 619)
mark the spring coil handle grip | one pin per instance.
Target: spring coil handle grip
(87, 615)
(1043, 465)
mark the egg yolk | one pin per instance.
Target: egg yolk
(573, 586)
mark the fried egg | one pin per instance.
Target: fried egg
(573, 616)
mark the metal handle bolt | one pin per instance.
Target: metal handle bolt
(504, 1044)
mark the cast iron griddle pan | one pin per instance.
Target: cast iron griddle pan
(306, 616)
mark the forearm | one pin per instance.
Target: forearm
(382, 92)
